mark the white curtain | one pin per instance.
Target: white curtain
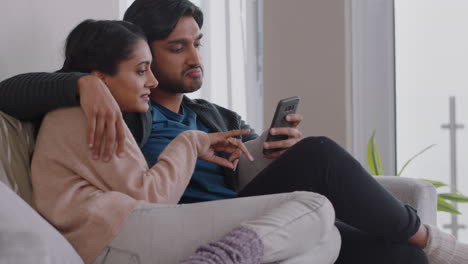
(232, 56)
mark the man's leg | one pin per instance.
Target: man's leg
(317, 164)
(360, 247)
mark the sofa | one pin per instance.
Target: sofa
(26, 237)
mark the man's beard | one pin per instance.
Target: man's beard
(178, 86)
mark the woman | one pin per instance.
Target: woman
(95, 205)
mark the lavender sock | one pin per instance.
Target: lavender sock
(240, 246)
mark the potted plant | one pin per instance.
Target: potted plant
(443, 199)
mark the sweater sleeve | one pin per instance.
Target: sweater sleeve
(62, 140)
(30, 96)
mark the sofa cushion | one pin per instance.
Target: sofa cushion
(25, 237)
(16, 146)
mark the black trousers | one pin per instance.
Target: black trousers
(373, 224)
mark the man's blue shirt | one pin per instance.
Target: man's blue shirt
(207, 182)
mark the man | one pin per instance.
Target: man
(312, 164)
(173, 31)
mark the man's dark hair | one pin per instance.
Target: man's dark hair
(158, 18)
(100, 45)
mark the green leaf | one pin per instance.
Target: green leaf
(443, 205)
(459, 198)
(412, 158)
(436, 184)
(373, 157)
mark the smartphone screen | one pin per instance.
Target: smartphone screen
(285, 107)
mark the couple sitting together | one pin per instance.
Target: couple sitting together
(138, 153)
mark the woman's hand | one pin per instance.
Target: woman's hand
(105, 121)
(224, 142)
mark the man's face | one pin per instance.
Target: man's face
(176, 59)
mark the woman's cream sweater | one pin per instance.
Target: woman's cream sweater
(88, 200)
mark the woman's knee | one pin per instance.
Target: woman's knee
(300, 223)
(315, 225)
(311, 203)
(300, 206)
(317, 210)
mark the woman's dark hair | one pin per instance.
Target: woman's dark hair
(100, 45)
(158, 18)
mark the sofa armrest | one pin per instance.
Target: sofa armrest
(247, 170)
(419, 194)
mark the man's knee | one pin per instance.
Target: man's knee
(315, 143)
(316, 140)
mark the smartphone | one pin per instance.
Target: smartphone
(285, 107)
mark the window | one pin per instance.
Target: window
(373, 86)
(431, 58)
(409, 59)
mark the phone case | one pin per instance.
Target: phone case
(285, 106)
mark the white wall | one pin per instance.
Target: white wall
(33, 32)
(306, 53)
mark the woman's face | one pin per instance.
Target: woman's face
(131, 85)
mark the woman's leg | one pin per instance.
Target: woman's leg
(240, 245)
(318, 164)
(289, 225)
(310, 243)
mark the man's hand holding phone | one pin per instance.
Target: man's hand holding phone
(284, 132)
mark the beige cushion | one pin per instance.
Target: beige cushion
(16, 146)
(25, 237)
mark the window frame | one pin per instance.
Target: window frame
(373, 79)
